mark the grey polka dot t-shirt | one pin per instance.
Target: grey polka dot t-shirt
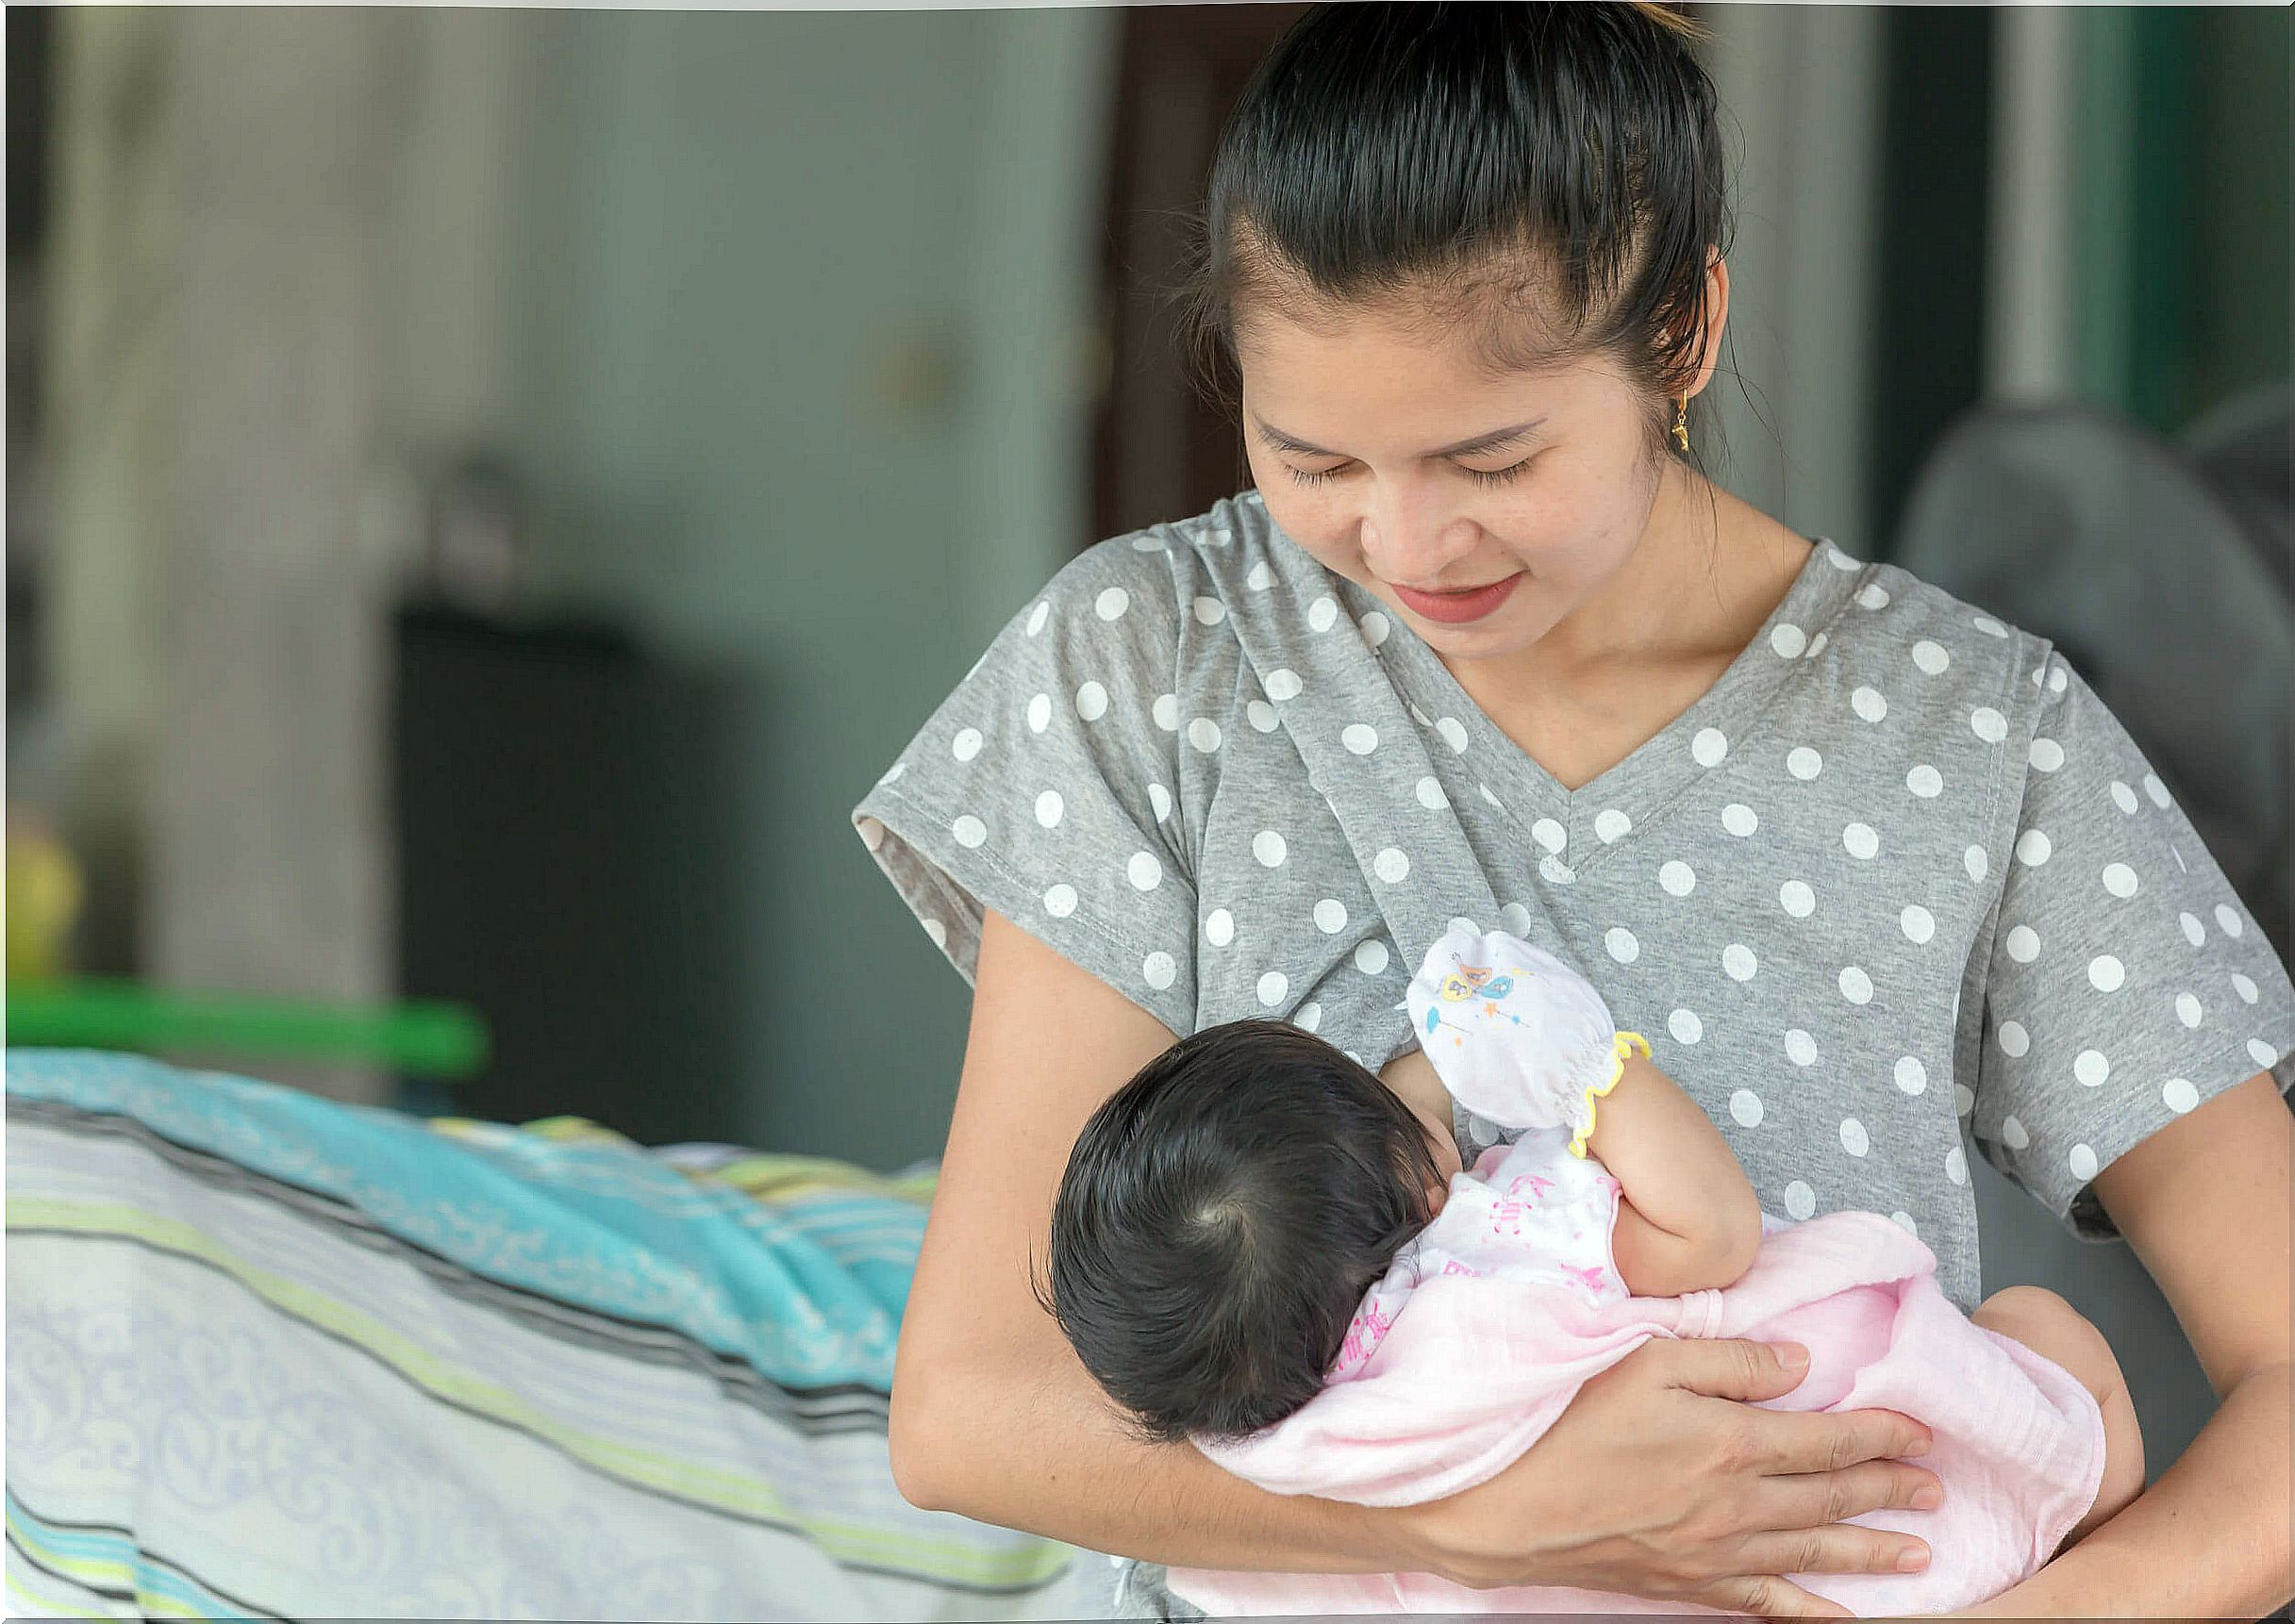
(1898, 881)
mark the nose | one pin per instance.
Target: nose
(1410, 535)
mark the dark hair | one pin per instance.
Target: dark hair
(1220, 1219)
(1546, 176)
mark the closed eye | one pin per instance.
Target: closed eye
(1496, 476)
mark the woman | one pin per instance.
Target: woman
(1860, 860)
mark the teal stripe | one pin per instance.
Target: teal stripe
(120, 1559)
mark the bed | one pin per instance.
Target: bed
(274, 1356)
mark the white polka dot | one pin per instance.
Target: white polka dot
(2179, 1095)
(2047, 755)
(1868, 703)
(1787, 639)
(1957, 1165)
(1460, 922)
(1145, 871)
(1371, 957)
(2082, 1160)
(969, 831)
(1872, 596)
(1219, 927)
(1360, 738)
(1856, 985)
(1330, 916)
(1517, 918)
(1622, 945)
(1804, 763)
(1283, 685)
(1159, 970)
(1376, 628)
(1262, 715)
(2244, 987)
(2023, 944)
(1988, 724)
(895, 772)
(2015, 1042)
(1059, 902)
(871, 833)
(1990, 627)
(1308, 1017)
(1679, 878)
(1040, 713)
(2012, 1134)
(1268, 846)
(2155, 789)
(2262, 1054)
(1048, 808)
(1930, 656)
(2092, 1067)
(1611, 824)
(1151, 542)
(966, 744)
(2106, 974)
(1918, 923)
(1797, 898)
(1324, 613)
(1555, 869)
(1838, 559)
(1036, 618)
(1738, 819)
(1431, 796)
(1549, 833)
(1420, 717)
(1210, 611)
(1166, 712)
(1737, 959)
(1453, 734)
(1964, 1099)
(1745, 1105)
(1110, 605)
(1800, 1200)
(1204, 733)
(1904, 1220)
(2032, 847)
(1911, 1075)
(1490, 798)
(1261, 578)
(1974, 860)
(2122, 797)
(2188, 1009)
(2229, 922)
(1159, 800)
(1390, 866)
(1800, 1048)
(1708, 747)
(938, 932)
(1092, 702)
(1272, 985)
(1925, 782)
(1861, 840)
(2057, 680)
(2194, 932)
(1686, 1026)
(2119, 880)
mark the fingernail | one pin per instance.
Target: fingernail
(1928, 1499)
(1912, 1561)
(1794, 1359)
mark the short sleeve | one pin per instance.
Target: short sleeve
(2125, 982)
(1042, 787)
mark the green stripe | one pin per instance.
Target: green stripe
(754, 1499)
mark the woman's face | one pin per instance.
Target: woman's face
(1361, 444)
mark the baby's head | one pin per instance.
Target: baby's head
(1221, 1217)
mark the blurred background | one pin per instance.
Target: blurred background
(489, 490)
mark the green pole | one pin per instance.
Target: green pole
(420, 1038)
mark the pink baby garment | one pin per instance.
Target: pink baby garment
(1492, 1318)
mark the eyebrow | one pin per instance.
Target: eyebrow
(1494, 440)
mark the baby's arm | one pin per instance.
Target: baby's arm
(1688, 1218)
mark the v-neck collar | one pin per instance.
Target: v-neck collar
(1574, 827)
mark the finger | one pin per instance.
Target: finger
(1766, 1596)
(1734, 1369)
(1813, 1500)
(1783, 1441)
(1834, 1548)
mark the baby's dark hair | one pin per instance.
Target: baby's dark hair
(1220, 1219)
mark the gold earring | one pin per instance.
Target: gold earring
(1681, 425)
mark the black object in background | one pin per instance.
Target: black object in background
(564, 817)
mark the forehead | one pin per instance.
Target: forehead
(1346, 373)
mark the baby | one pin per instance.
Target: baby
(1244, 1223)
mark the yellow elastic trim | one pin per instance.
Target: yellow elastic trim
(1623, 1045)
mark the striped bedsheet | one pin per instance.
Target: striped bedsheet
(270, 1355)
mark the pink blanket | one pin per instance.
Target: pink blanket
(1476, 1369)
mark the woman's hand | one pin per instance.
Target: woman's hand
(1654, 1484)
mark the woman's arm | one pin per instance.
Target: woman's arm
(992, 1415)
(1687, 1217)
(2205, 1203)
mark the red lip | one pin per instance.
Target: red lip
(1455, 609)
